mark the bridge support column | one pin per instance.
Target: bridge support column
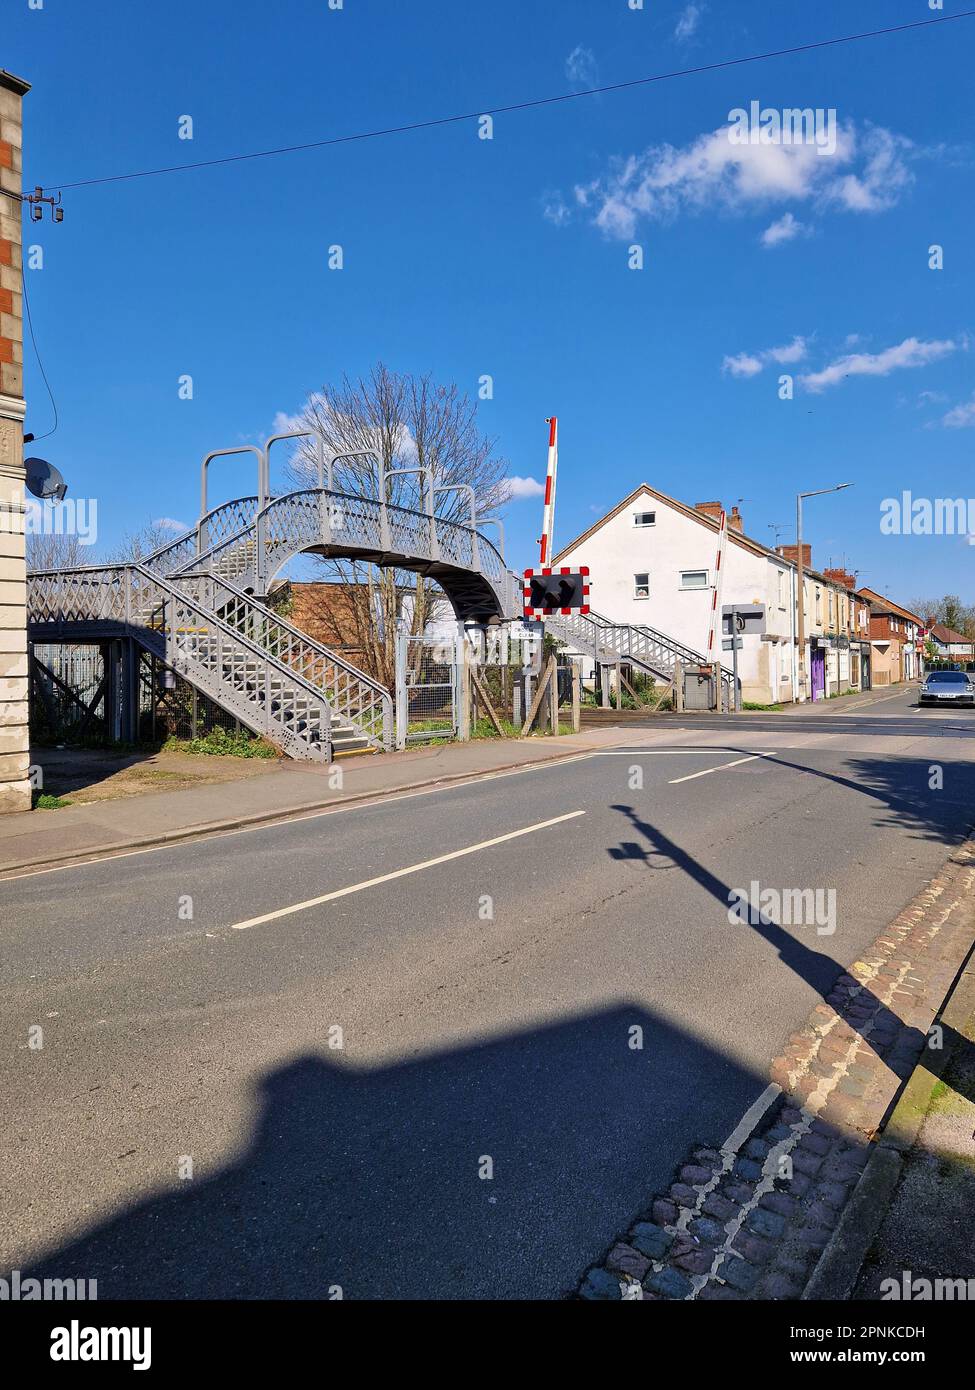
(464, 705)
(122, 690)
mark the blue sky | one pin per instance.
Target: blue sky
(509, 257)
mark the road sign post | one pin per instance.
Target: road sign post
(735, 703)
(738, 618)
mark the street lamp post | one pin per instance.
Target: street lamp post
(800, 595)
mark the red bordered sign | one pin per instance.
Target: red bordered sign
(550, 590)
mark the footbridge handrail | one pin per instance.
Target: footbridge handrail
(245, 541)
(351, 692)
(599, 635)
(233, 519)
(370, 523)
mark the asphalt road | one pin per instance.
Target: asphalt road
(396, 1043)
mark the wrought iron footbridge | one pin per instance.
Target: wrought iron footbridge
(199, 604)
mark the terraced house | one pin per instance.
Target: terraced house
(896, 643)
(837, 630)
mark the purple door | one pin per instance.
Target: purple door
(818, 672)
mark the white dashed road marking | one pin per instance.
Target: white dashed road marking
(402, 873)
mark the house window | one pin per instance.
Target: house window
(644, 518)
(641, 586)
(694, 579)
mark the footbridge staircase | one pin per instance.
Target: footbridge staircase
(608, 643)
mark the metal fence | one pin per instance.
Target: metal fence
(67, 690)
(172, 708)
(66, 680)
(427, 688)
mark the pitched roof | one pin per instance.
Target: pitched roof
(886, 605)
(738, 537)
(948, 635)
(746, 543)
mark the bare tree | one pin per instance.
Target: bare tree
(408, 422)
(948, 610)
(136, 545)
(56, 552)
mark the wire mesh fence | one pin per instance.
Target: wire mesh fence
(426, 688)
(71, 694)
(172, 708)
(68, 691)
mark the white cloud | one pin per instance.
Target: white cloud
(866, 172)
(792, 352)
(746, 364)
(581, 68)
(785, 229)
(285, 424)
(961, 417)
(687, 24)
(883, 177)
(912, 352)
(168, 523)
(524, 487)
(555, 209)
(743, 364)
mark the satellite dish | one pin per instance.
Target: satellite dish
(44, 480)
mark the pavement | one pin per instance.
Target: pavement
(922, 1231)
(262, 792)
(450, 1038)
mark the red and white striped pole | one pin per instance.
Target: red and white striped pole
(715, 632)
(548, 515)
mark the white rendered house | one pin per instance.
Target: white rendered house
(652, 564)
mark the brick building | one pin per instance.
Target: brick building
(15, 794)
(896, 643)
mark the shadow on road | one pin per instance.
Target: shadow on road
(817, 968)
(369, 1179)
(903, 789)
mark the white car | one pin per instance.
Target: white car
(947, 688)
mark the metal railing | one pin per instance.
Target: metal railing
(263, 691)
(352, 694)
(606, 641)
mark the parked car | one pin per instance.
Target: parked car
(947, 687)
